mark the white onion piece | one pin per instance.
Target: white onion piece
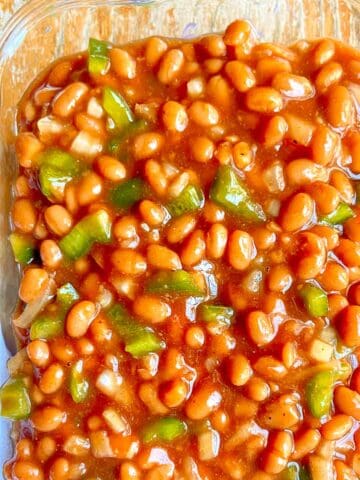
(109, 382)
(116, 422)
(274, 178)
(100, 445)
(208, 445)
(86, 145)
(94, 108)
(19, 363)
(50, 127)
(76, 445)
(32, 309)
(195, 87)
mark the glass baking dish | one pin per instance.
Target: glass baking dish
(44, 30)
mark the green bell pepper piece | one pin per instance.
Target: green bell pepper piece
(139, 339)
(14, 400)
(57, 168)
(339, 216)
(117, 108)
(319, 393)
(98, 57)
(294, 471)
(78, 385)
(166, 429)
(216, 314)
(118, 145)
(66, 295)
(315, 300)
(127, 193)
(229, 192)
(23, 248)
(190, 200)
(178, 282)
(46, 327)
(95, 228)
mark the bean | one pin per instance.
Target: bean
(89, 188)
(300, 131)
(242, 154)
(237, 32)
(343, 185)
(24, 215)
(147, 144)
(325, 196)
(152, 213)
(110, 168)
(304, 171)
(203, 113)
(305, 443)
(297, 213)
(220, 92)
(347, 401)
(328, 234)
(329, 75)
(154, 50)
(268, 67)
(241, 75)
(60, 469)
(24, 449)
(352, 228)
(270, 368)
(194, 249)
(263, 238)
(337, 427)
(50, 254)
(33, 284)
(293, 86)
(22, 188)
(170, 66)
(47, 419)
(273, 463)
(126, 231)
(152, 309)
(213, 45)
(58, 219)
(324, 145)
(128, 261)
(66, 102)
(224, 153)
(204, 400)
(39, 353)
(257, 389)
(264, 100)
(238, 369)
(195, 337)
(355, 152)
(349, 325)
(348, 252)
(343, 472)
(275, 131)
(312, 255)
(334, 277)
(279, 278)
(80, 317)
(202, 149)
(174, 116)
(52, 379)
(123, 64)
(129, 471)
(216, 241)
(281, 443)
(26, 470)
(259, 327)
(222, 345)
(27, 148)
(173, 393)
(163, 258)
(241, 250)
(180, 228)
(336, 304)
(324, 51)
(340, 107)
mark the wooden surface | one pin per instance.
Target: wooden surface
(7, 8)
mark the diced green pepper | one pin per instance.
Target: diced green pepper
(139, 339)
(95, 228)
(117, 108)
(67, 295)
(294, 471)
(79, 386)
(127, 193)
(57, 168)
(166, 429)
(216, 314)
(14, 400)
(178, 282)
(315, 300)
(23, 248)
(229, 192)
(45, 327)
(98, 57)
(117, 146)
(190, 199)
(339, 216)
(319, 393)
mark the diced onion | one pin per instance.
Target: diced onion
(116, 422)
(274, 178)
(208, 444)
(94, 108)
(19, 363)
(190, 469)
(100, 445)
(49, 127)
(86, 145)
(108, 382)
(195, 87)
(76, 445)
(147, 111)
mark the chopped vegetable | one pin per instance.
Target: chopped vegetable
(229, 192)
(98, 57)
(139, 339)
(67, 295)
(23, 248)
(14, 400)
(315, 300)
(79, 386)
(164, 429)
(117, 145)
(46, 327)
(294, 472)
(117, 108)
(57, 168)
(319, 393)
(339, 216)
(95, 228)
(127, 193)
(190, 199)
(178, 282)
(216, 314)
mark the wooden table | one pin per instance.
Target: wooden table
(7, 9)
